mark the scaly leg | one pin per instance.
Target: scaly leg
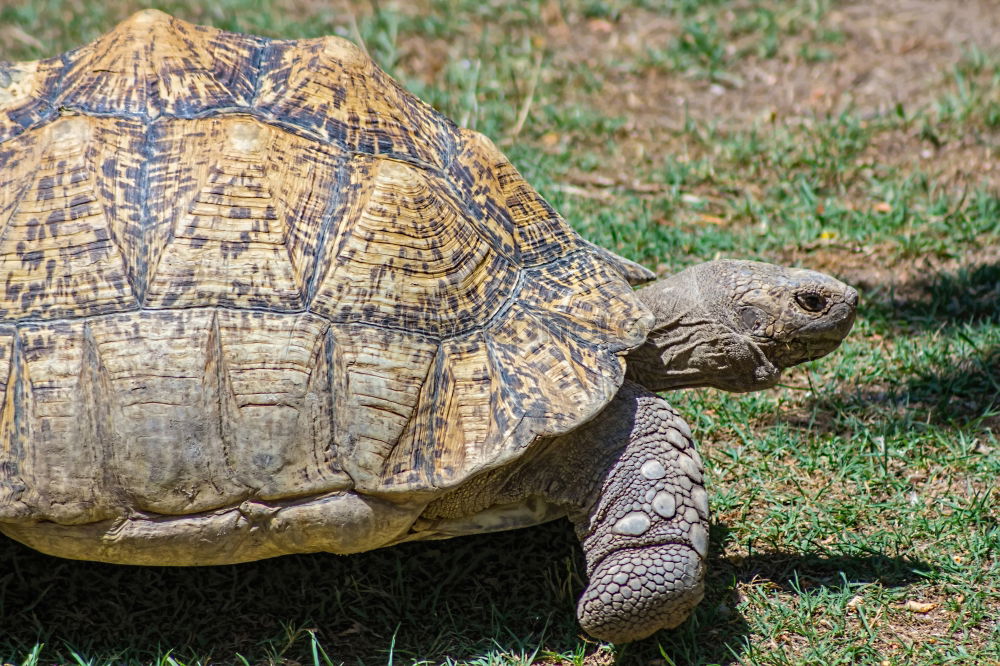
(645, 535)
(631, 481)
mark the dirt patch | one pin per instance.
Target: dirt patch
(866, 58)
(957, 164)
(883, 54)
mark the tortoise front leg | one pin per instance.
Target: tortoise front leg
(645, 529)
(631, 481)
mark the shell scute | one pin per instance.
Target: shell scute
(380, 374)
(330, 88)
(587, 297)
(278, 398)
(152, 65)
(235, 213)
(58, 248)
(493, 186)
(12, 436)
(409, 256)
(26, 89)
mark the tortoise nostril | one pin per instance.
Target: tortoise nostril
(810, 301)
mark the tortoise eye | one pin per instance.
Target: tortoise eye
(810, 302)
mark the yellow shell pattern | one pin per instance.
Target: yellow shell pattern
(238, 268)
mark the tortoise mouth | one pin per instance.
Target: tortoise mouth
(834, 326)
(818, 338)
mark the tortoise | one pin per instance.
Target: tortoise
(258, 299)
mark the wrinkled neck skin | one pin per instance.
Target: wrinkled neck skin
(693, 345)
(735, 325)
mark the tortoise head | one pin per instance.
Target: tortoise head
(736, 325)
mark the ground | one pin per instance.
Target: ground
(855, 513)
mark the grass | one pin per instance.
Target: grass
(855, 508)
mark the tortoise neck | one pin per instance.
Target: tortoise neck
(693, 344)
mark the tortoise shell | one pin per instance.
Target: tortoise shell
(237, 267)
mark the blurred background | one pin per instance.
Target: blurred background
(855, 507)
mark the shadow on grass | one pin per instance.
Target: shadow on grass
(502, 593)
(970, 387)
(964, 393)
(429, 601)
(942, 299)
